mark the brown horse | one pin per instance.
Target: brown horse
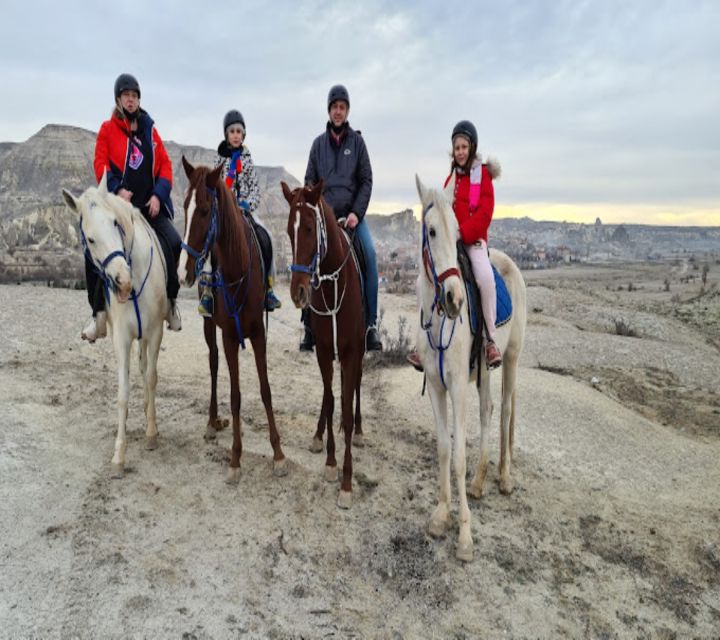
(213, 223)
(325, 278)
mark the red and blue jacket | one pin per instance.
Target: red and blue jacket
(112, 153)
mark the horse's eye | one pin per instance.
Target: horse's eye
(432, 233)
(91, 240)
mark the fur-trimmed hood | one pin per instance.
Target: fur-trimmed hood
(493, 166)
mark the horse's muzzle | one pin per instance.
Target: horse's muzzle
(453, 301)
(300, 294)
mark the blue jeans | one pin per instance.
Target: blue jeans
(362, 232)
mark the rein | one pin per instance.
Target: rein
(108, 282)
(317, 277)
(438, 303)
(217, 280)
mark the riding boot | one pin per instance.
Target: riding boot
(308, 342)
(372, 339)
(96, 328)
(173, 317)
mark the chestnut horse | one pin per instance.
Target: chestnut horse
(444, 343)
(326, 278)
(213, 223)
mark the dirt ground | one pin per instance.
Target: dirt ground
(612, 531)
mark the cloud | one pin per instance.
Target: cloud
(581, 101)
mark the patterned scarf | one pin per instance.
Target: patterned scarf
(234, 169)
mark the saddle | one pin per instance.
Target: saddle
(359, 258)
(261, 239)
(477, 322)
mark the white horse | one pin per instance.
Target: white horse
(126, 251)
(444, 342)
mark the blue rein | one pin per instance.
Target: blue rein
(438, 347)
(108, 282)
(217, 281)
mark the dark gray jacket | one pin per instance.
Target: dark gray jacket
(346, 171)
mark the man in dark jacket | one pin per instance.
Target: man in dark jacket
(340, 158)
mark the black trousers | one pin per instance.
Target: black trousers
(169, 240)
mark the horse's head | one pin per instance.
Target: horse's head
(308, 239)
(106, 232)
(439, 249)
(201, 220)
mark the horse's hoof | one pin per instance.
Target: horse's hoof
(280, 468)
(331, 474)
(210, 433)
(506, 486)
(316, 446)
(475, 492)
(437, 528)
(221, 423)
(344, 500)
(464, 552)
(233, 476)
(117, 471)
(151, 442)
(358, 440)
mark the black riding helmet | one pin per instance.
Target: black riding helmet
(338, 92)
(232, 117)
(466, 129)
(126, 82)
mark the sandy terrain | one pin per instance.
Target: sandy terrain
(612, 531)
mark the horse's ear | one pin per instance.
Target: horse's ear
(315, 192)
(102, 185)
(70, 200)
(287, 192)
(213, 177)
(422, 190)
(188, 167)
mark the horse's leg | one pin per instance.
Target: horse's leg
(214, 424)
(259, 349)
(507, 421)
(478, 481)
(464, 549)
(440, 516)
(122, 353)
(349, 386)
(231, 346)
(325, 361)
(327, 408)
(358, 437)
(152, 349)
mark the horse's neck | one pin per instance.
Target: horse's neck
(145, 247)
(232, 241)
(337, 247)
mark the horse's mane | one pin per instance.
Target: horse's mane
(440, 201)
(230, 220)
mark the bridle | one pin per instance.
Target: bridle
(101, 268)
(438, 304)
(210, 236)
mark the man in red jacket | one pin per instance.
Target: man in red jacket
(131, 153)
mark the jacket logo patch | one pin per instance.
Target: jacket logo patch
(136, 157)
(348, 152)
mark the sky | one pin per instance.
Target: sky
(594, 108)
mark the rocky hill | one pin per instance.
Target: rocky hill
(38, 238)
